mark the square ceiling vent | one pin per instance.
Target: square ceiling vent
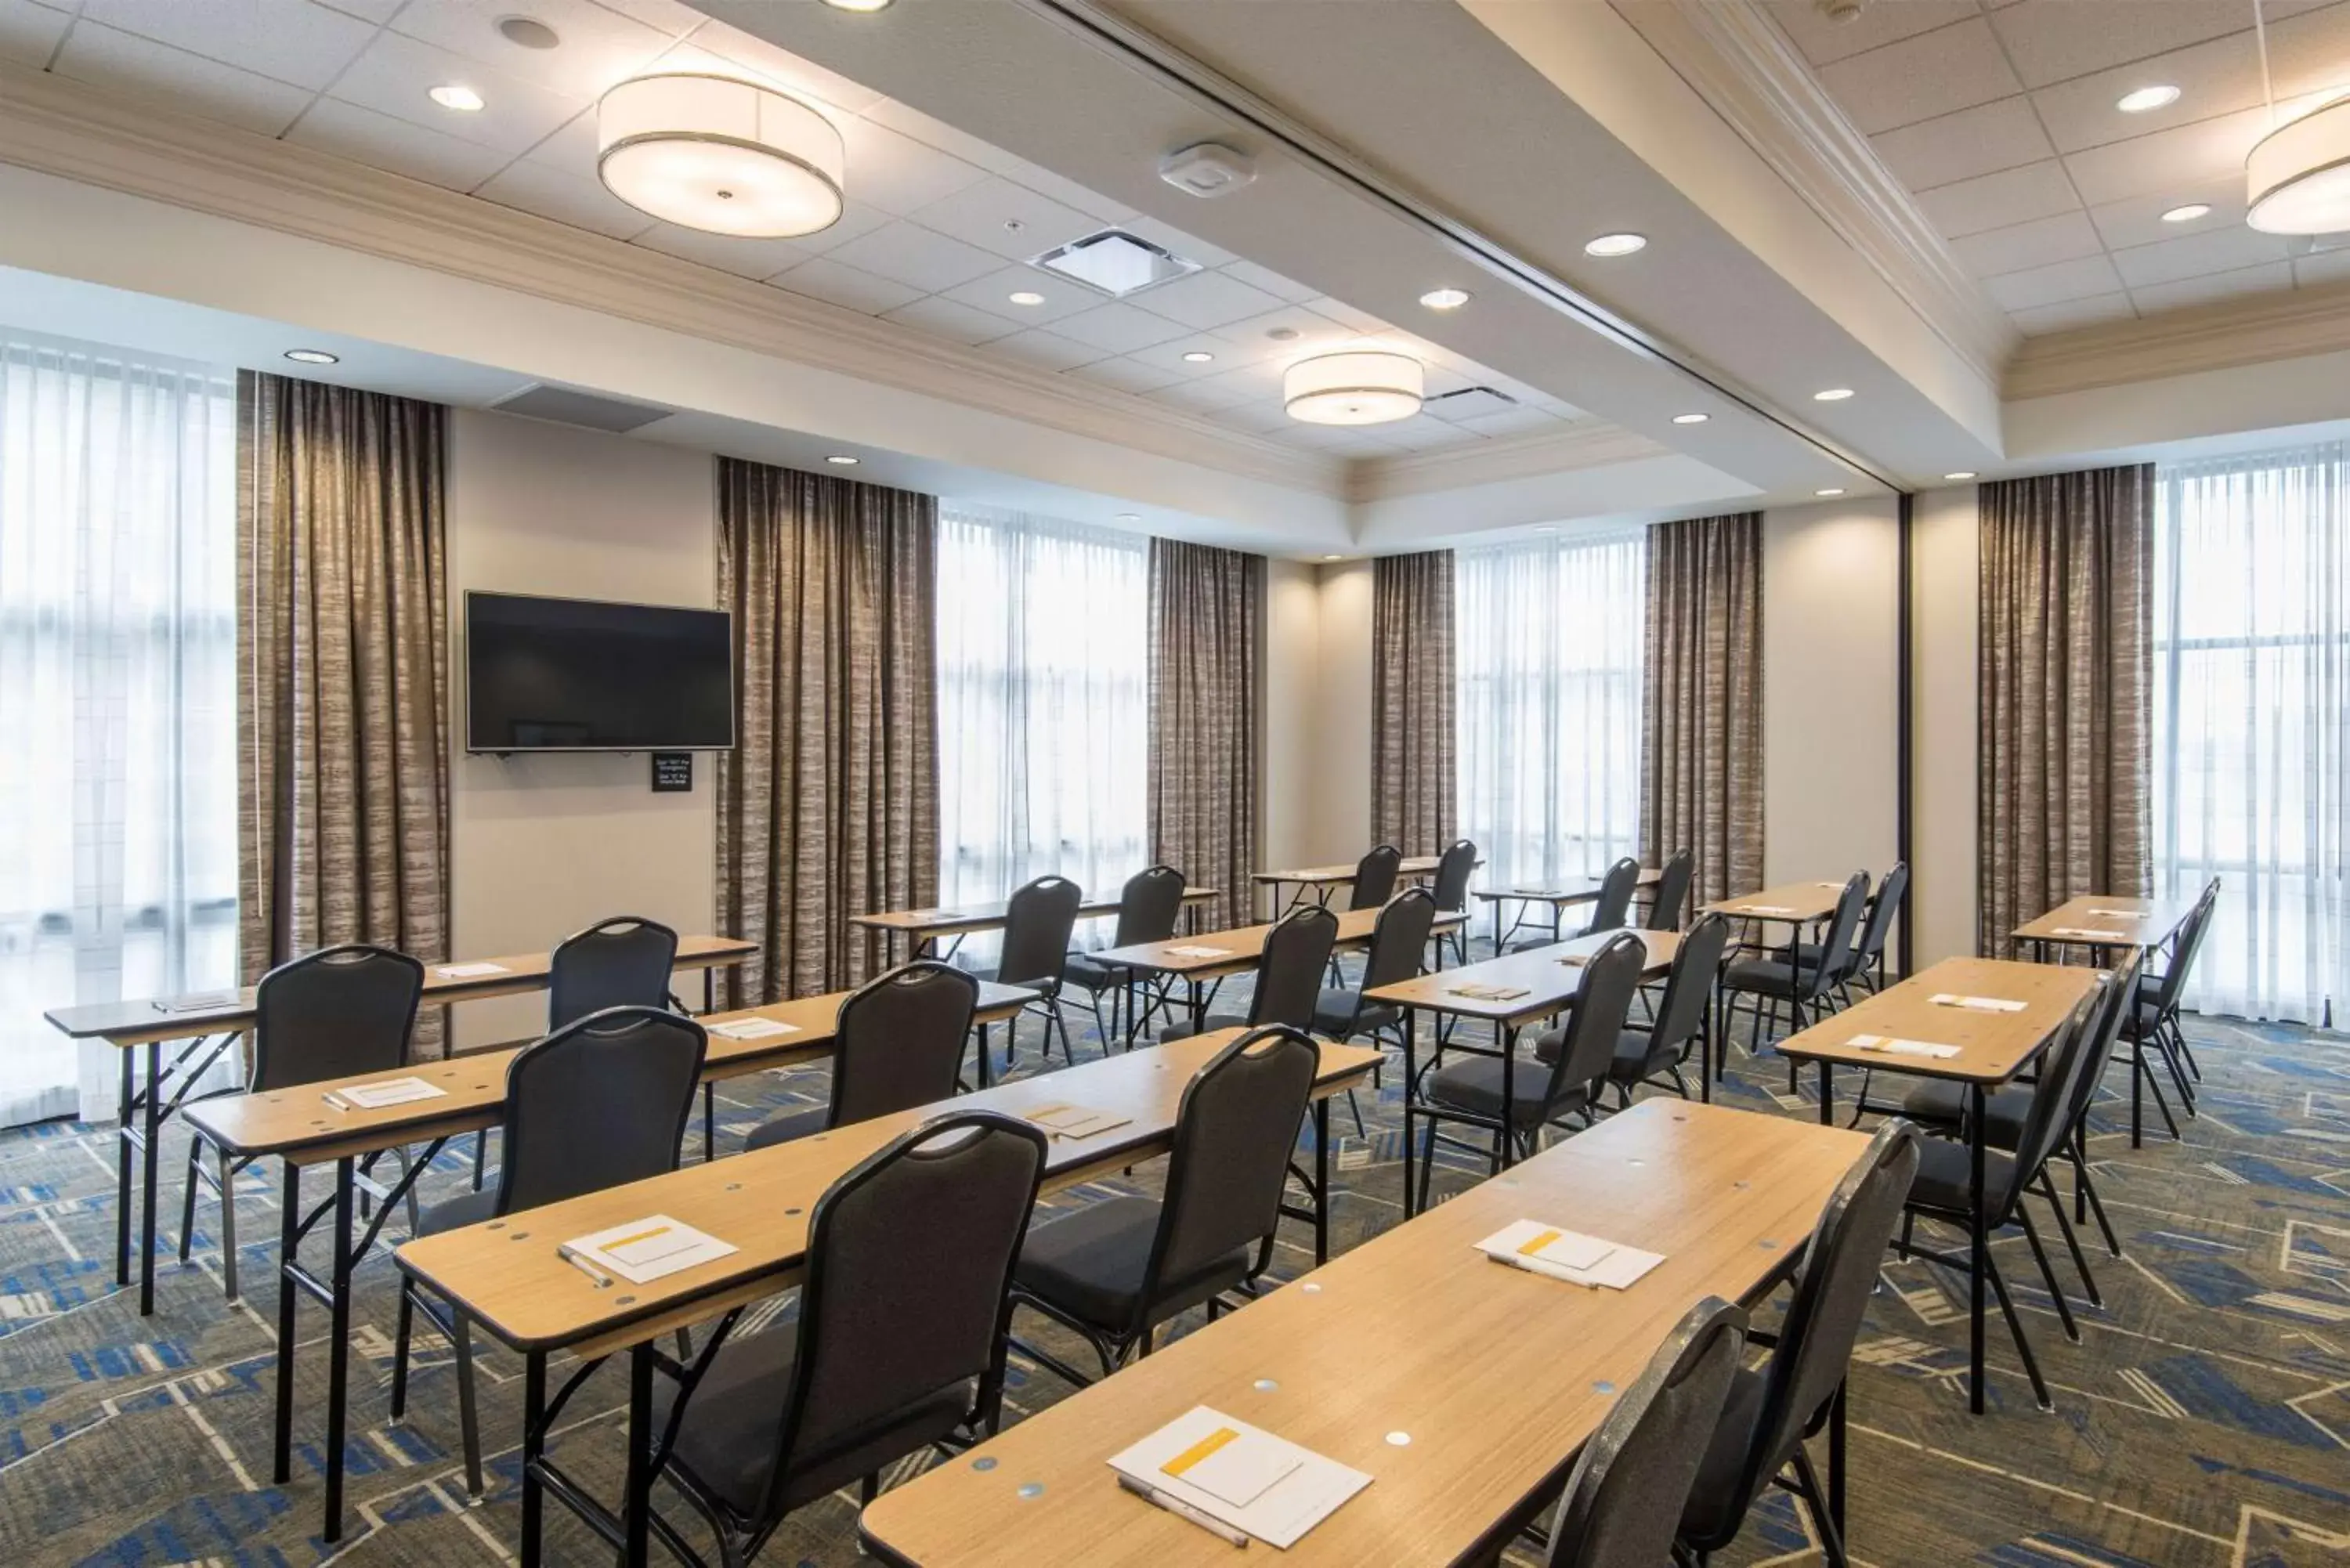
(1469, 403)
(565, 406)
(1116, 263)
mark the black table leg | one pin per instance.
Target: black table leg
(151, 1156)
(290, 1243)
(1509, 1097)
(1322, 1180)
(1198, 1008)
(339, 1349)
(1836, 1442)
(986, 1072)
(122, 1145)
(534, 1447)
(1979, 1245)
(1827, 1092)
(637, 1501)
(1410, 1038)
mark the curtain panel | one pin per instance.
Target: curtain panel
(1207, 610)
(2063, 687)
(828, 803)
(1701, 713)
(342, 672)
(1414, 730)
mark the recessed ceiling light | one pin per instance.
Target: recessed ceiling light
(1962, 473)
(1334, 557)
(528, 32)
(860, 5)
(1833, 395)
(2162, 95)
(843, 459)
(1198, 357)
(452, 95)
(1129, 516)
(2187, 214)
(1831, 490)
(1445, 298)
(1026, 297)
(1615, 244)
(1690, 418)
(313, 357)
(1546, 530)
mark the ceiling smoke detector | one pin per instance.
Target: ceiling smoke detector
(1207, 168)
(527, 32)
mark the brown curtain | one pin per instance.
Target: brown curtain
(828, 803)
(342, 640)
(1206, 609)
(1414, 802)
(2065, 677)
(1701, 714)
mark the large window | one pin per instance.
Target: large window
(1044, 691)
(2251, 722)
(1550, 660)
(117, 698)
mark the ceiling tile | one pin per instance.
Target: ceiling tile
(1125, 375)
(124, 60)
(672, 17)
(1272, 281)
(1191, 247)
(2223, 249)
(1918, 78)
(2311, 52)
(572, 147)
(2039, 319)
(376, 12)
(1822, 40)
(1472, 403)
(958, 323)
(802, 79)
(897, 174)
(2051, 40)
(395, 75)
(2138, 221)
(291, 40)
(599, 47)
(1203, 393)
(2205, 153)
(394, 144)
(1346, 315)
(2216, 77)
(1119, 328)
(1268, 418)
(1061, 297)
(748, 258)
(2178, 296)
(1044, 182)
(856, 218)
(1046, 350)
(1427, 435)
(2000, 201)
(2003, 134)
(1509, 422)
(826, 279)
(917, 257)
(2052, 285)
(1169, 355)
(30, 33)
(984, 214)
(2322, 267)
(2068, 236)
(1206, 300)
(1313, 332)
(550, 192)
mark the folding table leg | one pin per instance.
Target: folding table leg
(637, 1500)
(339, 1349)
(534, 1446)
(149, 1156)
(290, 1243)
(1978, 1242)
(1322, 1180)
(122, 1142)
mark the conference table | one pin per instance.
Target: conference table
(206, 1024)
(1558, 898)
(513, 1283)
(1463, 1388)
(1318, 881)
(1993, 1047)
(920, 928)
(2104, 923)
(1210, 956)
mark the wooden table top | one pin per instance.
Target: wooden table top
(1581, 892)
(965, 917)
(1240, 947)
(1992, 1046)
(1807, 901)
(1494, 1374)
(300, 1125)
(1317, 876)
(136, 1023)
(2139, 922)
(1550, 980)
(508, 1277)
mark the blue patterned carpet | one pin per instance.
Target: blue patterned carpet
(2205, 1419)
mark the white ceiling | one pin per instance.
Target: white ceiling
(1999, 115)
(936, 236)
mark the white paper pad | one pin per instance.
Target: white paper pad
(1205, 1459)
(1764, 909)
(647, 1250)
(468, 970)
(1199, 952)
(1569, 1255)
(2092, 933)
(1539, 892)
(1890, 1046)
(385, 1092)
(2121, 914)
(1977, 1004)
(754, 1029)
(1075, 1122)
(1489, 992)
(200, 1001)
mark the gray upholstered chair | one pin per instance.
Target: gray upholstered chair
(625, 961)
(2153, 1024)
(1148, 908)
(1806, 988)
(1038, 921)
(1399, 943)
(1684, 1014)
(1668, 900)
(1450, 890)
(1288, 974)
(897, 1045)
(1375, 877)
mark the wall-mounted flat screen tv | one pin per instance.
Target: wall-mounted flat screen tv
(579, 675)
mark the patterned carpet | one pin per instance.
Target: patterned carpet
(2205, 1419)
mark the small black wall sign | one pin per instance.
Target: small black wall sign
(672, 773)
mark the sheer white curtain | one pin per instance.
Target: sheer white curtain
(2251, 730)
(1550, 635)
(118, 699)
(1043, 678)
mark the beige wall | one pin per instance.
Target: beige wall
(541, 845)
(1338, 812)
(1288, 677)
(1945, 580)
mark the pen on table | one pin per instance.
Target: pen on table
(603, 1281)
(1182, 1509)
(1525, 1268)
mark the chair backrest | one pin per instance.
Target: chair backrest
(1036, 926)
(1624, 1498)
(1614, 905)
(2182, 957)
(1400, 939)
(1289, 970)
(1836, 947)
(1603, 1000)
(1149, 906)
(1453, 873)
(2071, 1070)
(907, 1290)
(1236, 1132)
(601, 1101)
(1688, 987)
(625, 961)
(1671, 892)
(334, 1013)
(1882, 912)
(1375, 877)
(898, 1043)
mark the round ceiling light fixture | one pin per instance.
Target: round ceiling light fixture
(457, 96)
(720, 155)
(313, 357)
(1199, 357)
(1615, 244)
(1354, 387)
(2187, 214)
(2297, 177)
(1026, 297)
(2146, 99)
(1445, 298)
(863, 8)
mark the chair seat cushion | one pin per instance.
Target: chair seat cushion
(1090, 1265)
(1944, 1182)
(1183, 1030)
(1945, 1106)
(1631, 1049)
(1717, 1502)
(1768, 976)
(786, 1128)
(1474, 1084)
(450, 1214)
(1339, 1014)
(1085, 971)
(1042, 985)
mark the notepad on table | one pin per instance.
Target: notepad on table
(1558, 1253)
(1194, 951)
(2119, 914)
(647, 1250)
(1977, 1004)
(2091, 933)
(384, 1091)
(468, 970)
(1074, 1122)
(1764, 909)
(754, 1029)
(200, 1001)
(1490, 992)
(1239, 1475)
(1888, 1045)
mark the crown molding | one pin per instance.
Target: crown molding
(1733, 55)
(2222, 336)
(58, 127)
(1592, 445)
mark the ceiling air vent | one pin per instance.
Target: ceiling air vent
(564, 406)
(1469, 403)
(1116, 263)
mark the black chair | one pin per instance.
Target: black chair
(899, 1347)
(1399, 943)
(1470, 1091)
(1669, 897)
(1611, 908)
(625, 961)
(1866, 960)
(1806, 988)
(1148, 908)
(338, 1012)
(1450, 890)
(1684, 1017)
(1116, 1268)
(1038, 921)
(1375, 877)
(1288, 975)
(1772, 1409)
(1624, 1496)
(2153, 1023)
(898, 1045)
(600, 1102)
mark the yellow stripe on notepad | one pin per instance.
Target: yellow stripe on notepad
(1200, 1451)
(640, 1236)
(1538, 1243)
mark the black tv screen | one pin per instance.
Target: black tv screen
(577, 675)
